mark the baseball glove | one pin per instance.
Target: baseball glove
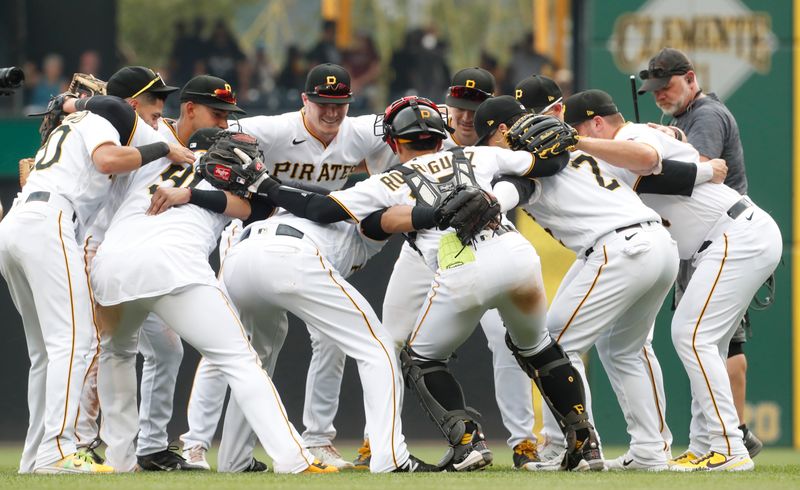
(544, 136)
(25, 168)
(468, 210)
(232, 163)
(84, 85)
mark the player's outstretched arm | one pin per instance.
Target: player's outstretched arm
(220, 202)
(679, 178)
(632, 155)
(302, 203)
(113, 159)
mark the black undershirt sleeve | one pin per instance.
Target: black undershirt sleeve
(676, 179)
(371, 226)
(304, 204)
(260, 208)
(545, 167)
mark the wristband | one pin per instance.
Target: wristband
(153, 151)
(214, 201)
(423, 217)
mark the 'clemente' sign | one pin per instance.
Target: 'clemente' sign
(725, 40)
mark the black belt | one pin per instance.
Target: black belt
(733, 212)
(283, 230)
(590, 250)
(44, 196)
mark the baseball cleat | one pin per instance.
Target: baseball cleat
(471, 454)
(364, 456)
(752, 443)
(328, 455)
(256, 466)
(319, 467)
(626, 463)
(89, 450)
(714, 461)
(416, 465)
(76, 463)
(526, 456)
(686, 457)
(583, 455)
(196, 456)
(166, 460)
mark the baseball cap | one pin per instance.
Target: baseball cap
(133, 81)
(469, 88)
(537, 93)
(662, 67)
(203, 138)
(328, 83)
(210, 91)
(587, 104)
(494, 111)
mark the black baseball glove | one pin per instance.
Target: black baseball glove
(53, 115)
(544, 136)
(232, 163)
(468, 210)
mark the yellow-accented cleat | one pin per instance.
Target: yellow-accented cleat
(526, 456)
(686, 457)
(364, 456)
(318, 467)
(714, 461)
(75, 463)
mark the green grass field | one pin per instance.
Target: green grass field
(775, 468)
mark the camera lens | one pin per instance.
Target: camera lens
(11, 78)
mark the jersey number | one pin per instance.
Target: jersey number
(581, 159)
(179, 175)
(52, 148)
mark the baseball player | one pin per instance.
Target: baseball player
(173, 246)
(499, 269)
(734, 247)
(542, 95)
(704, 121)
(44, 266)
(411, 279)
(316, 146)
(614, 235)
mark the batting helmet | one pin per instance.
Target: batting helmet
(412, 119)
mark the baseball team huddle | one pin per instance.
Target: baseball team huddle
(106, 255)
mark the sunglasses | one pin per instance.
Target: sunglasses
(467, 93)
(660, 73)
(148, 86)
(336, 91)
(547, 108)
(222, 94)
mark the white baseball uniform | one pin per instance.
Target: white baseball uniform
(289, 263)
(408, 286)
(296, 156)
(500, 270)
(159, 264)
(734, 246)
(626, 264)
(42, 259)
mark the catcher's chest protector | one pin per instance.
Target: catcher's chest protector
(430, 193)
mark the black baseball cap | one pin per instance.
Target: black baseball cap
(329, 83)
(210, 91)
(133, 81)
(494, 111)
(203, 138)
(469, 88)
(662, 67)
(537, 93)
(587, 104)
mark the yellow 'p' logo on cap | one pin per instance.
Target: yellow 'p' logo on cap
(518, 93)
(490, 122)
(228, 87)
(589, 113)
(330, 80)
(425, 114)
(550, 98)
(470, 84)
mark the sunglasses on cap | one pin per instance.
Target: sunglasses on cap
(468, 93)
(222, 94)
(660, 73)
(549, 107)
(333, 91)
(149, 84)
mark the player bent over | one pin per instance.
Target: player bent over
(496, 268)
(43, 264)
(171, 251)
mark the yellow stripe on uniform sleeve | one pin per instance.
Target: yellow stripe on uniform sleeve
(345, 209)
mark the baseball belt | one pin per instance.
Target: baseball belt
(733, 212)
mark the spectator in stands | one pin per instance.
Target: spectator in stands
(364, 64)
(224, 58)
(325, 51)
(526, 62)
(51, 82)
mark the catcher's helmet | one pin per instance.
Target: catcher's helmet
(412, 119)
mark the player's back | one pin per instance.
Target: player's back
(584, 202)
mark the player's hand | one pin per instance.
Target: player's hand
(180, 154)
(720, 170)
(167, 197)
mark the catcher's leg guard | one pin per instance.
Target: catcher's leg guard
(561, 387)
(440, 395)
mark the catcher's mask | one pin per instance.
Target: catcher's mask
(412, 119)
(225, 146)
